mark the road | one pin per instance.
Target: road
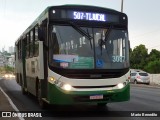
(143, 98)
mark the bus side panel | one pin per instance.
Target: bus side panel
(42, 73)
(24, 65)
(16, 64)
(35, 70)
(30, 73)
(18, 68)
(41, 61)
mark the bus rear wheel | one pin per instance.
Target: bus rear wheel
(24, 92)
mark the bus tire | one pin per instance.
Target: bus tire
(42, 103)
(102, 105)
(23, 90)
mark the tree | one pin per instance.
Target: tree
(139, 57)
(154, 55)
(6, 53)
(153, 67)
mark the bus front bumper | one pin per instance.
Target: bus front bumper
(61, 97)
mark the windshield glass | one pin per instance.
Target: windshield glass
(96, 48)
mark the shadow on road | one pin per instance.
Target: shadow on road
(79, 111)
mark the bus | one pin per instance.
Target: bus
(75, 54)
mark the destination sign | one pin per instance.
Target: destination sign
(89, 16)
(92, 16)
(85, 16)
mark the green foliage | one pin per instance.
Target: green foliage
(153, 67)
(6, 53)
(6, 69)
(154, 55)
(140, 59)
(9, 69)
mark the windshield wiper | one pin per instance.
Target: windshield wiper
(107, 33)
(102, 42)
(83, 32)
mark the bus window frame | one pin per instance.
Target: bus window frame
(27, 45)
(36, 50)
(30, 44)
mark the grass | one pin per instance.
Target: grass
(6, 69)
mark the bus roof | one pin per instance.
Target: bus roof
(45, 14)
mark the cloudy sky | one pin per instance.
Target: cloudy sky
(143, 15)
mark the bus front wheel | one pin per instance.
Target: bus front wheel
(102, 105)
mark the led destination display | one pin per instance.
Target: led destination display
(84, 16)
(88, 16)
(92, 16)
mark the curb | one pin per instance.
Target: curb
(147, 86)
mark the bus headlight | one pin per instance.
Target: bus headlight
(64, 86)
(120, 85)
(67, 87)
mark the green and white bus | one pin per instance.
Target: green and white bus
(75, 54)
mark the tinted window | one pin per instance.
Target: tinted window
(133, 74)
(70, 49)
(143, 74)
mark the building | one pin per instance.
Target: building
(11, 61)
(11, 49)
(3, 49)
(7, 60)
(3, 60)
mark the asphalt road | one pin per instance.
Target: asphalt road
(143, 98)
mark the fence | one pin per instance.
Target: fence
(155, 79)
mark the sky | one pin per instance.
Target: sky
(143, 18)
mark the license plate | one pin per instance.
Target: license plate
(96, 97)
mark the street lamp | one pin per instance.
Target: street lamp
(121, 5)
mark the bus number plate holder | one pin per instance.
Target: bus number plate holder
(96, 97)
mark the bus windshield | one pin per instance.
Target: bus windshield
(88, 48)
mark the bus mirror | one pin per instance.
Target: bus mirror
(129, 44)
(41, 34)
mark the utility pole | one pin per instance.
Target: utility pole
(121, 5)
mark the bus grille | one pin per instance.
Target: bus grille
(92, 76)
(85, 87)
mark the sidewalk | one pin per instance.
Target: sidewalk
(4, 103)
(5, 106)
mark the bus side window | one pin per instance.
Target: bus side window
(54, 45)
(31, 44)
(27, 46)
(24, 43)
(20, 51)
(18, 48)
(36, 44)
